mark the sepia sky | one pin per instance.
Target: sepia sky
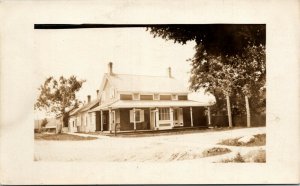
(86, 53)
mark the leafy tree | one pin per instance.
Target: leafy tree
(58, 96)
(251, 75)
(216, 39)
(213, 66)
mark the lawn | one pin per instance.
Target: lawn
(63, 137)
(196, 147)
(256, 156)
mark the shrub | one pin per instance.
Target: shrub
(215, 151)
(238, 158)
(259, 140)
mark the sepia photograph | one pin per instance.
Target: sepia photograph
(197, 94)
(149, 92)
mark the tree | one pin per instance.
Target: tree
(251, 67)
(58, 96)
(216, 39)
(44, 122)
(215, 44)
(217, 77)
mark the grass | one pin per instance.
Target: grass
(256, 156)
(62, 137)
(259, 140)
(215, 151)
(187, 155)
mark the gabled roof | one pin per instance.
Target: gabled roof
(85, 107)
(144, 83)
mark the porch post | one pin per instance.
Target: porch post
(94, 121)
(156, 118)
(110, 123)
(134, 122)
(171, 117)
(209, 116)
(191, 112)
(101, 120)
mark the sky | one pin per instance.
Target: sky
(86, 53)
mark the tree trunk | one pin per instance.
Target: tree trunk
(248, 111)
(229, 111)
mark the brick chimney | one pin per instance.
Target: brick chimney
(97, 93)
(88, 98)
(110, 68)
(169, 72)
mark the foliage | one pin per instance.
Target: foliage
(228, 59)
(259, 140)
(215, 151)
(224, 39)
(238, 158)
(44, 122)
(58, 96)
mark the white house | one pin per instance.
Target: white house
(141, 102)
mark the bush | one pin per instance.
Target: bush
(259, 140)
(238, 158)
(215, 151)
(255, 156)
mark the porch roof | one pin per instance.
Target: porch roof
(150, 103)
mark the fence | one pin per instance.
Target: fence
(239, 120)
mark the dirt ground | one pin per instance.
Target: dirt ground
(181, 147)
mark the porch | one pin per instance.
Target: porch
(173, 131)
(145, 117)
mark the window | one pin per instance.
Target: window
(139, 116)
(182, 97)
(136, 96)
(164, 114)
(126, 97)
(156, 96)
(165, 97)
(146, 97)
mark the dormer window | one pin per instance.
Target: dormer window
(182, 97)
(165, 97)
(146, 97)
(136, 96)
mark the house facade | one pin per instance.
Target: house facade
(136, 102)
(81, 120)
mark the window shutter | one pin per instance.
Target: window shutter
(142, 118)
(131, 116)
